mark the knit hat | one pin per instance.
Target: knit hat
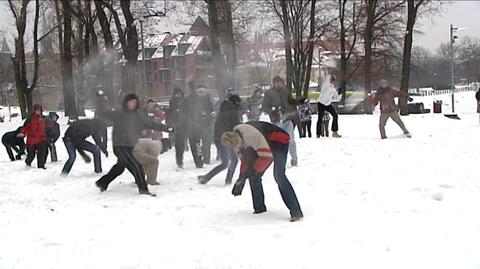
(129, 97)
(230, 139)
(53, 114)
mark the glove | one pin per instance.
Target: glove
(170, 129)
(238, 187)
(410, 99)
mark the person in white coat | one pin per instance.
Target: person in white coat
(328, 95)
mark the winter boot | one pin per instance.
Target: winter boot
(146, 192)
(101, 186)
(336, 135)
(203, 179)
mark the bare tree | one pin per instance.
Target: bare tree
(25, 90)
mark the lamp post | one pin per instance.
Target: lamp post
(452, 63)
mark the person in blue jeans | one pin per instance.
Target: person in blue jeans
(75, 140)
(228, 117)
(259, 144)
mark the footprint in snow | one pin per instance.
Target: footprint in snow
(437, 196)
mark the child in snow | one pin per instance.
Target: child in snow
(128, 125)
(305, 113)
(258, 144)
(325, 125)
(75, 140)
(11, 141)
(385, 95)
(53, 133)
(146, 152)
(34, 130)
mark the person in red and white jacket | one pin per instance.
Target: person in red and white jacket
(258, 145)
(34, 130)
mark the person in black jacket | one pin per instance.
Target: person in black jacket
(128, 125)
(53, 133)
(259, 144)
(197, 111)
(227, 119)
(176, 117)
(75, 140)
(11, 141)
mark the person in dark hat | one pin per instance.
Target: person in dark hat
(259, 144)
(53, 133)
(128, 125)
(254, 105)
(34, 130)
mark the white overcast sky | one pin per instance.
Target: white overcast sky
(435, 29)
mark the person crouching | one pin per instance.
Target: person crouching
(258, 144)
(146, 152)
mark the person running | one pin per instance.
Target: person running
(385, 95)
(75, 140)
(177, 117)
(53, 133)
(259, 144)
(328, 96)
(34, 130)
(128, 125)
(11, 140)
(227, 119)
(279, 104)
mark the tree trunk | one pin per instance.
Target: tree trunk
(83, 48)
(306, 83)
(407, 54)
(132, 46)
(219, 62)
(67, 65)
(106, 71)
(343, 56)
(371, 5)
(288, 45)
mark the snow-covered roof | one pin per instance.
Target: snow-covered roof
(155, 40)
(195, 42)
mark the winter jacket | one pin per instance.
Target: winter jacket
(79, 130)
(254, 107)
(305, 112)
(11, 138)
(176, 114)
(198, 112)
(279, 105)
(386, 97)
(329, 95)
(34, 129)
(128, 125)
(226, 120)
(148, 146)
(261, 142)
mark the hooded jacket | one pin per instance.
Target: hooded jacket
(81, 129)
(34, 128)
(53, 128)
(279, 105)
(386, 97)
(227, 117)
(129, 124)
(176, 115)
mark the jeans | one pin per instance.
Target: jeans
(286, 190)
(72, 155)
(229, 160)
(287, 126)
(321, 112)
(306, 128)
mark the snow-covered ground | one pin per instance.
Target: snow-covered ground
(368, 203)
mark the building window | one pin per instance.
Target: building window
(165, 75)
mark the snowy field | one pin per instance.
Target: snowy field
(368, 203)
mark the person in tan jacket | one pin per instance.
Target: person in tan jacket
(146, 151)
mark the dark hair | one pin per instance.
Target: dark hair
(150, 101)
(333, 78)
(128, 98)
(277, 79)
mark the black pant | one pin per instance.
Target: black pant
(41, 150)
(321, 112)
(19, 149)
(207, 140)
(195, 146)
(53, 152)
(125, 160)
(306, 128)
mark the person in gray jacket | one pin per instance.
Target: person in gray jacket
(128, 125)
(254, 105)
(146, 152)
